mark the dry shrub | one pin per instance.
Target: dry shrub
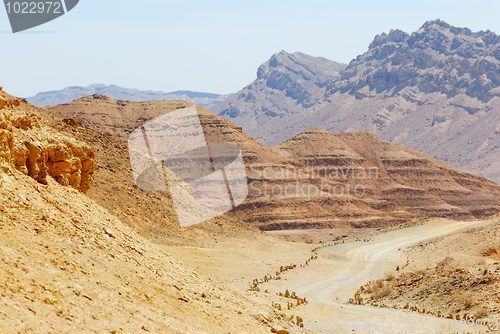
(493, 252)
(481, 312)
(461, 298)
(468, 302)
(379, 289)
(309, 241)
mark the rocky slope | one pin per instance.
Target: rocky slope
(151, 213)
(435, 90)
(288, 83)
(315, 179)
(357, 179)
(69, 94)
(69, 266)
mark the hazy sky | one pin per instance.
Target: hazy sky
(210, 46)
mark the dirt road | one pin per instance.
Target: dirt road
(342, 269)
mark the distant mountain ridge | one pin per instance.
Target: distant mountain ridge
(436, 90)
(69, 94)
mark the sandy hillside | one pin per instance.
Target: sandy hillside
(69, 266)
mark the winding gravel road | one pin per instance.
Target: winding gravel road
(357, 263)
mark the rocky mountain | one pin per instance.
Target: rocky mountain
(286, 84)
(435, 90)
(69, 94)
(315, 180)
(69, 265)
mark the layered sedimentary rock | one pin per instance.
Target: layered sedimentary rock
(357, 179)
(318, 180)
(68, 265)
(33, 147)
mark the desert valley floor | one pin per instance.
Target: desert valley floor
(330, 281)
(84, 250)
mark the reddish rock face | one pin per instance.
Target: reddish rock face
(357, 179)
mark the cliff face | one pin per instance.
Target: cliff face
(33, 147)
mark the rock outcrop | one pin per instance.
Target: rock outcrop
(30, 145)
(6, 138)
(438, 58)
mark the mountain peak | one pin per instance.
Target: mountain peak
(438, 58)
(311, 134)
(433, 24)
(300, 63)
(292, 79)
(399, 36)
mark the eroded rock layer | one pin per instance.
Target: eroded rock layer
(30, 145)
(317, 180)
